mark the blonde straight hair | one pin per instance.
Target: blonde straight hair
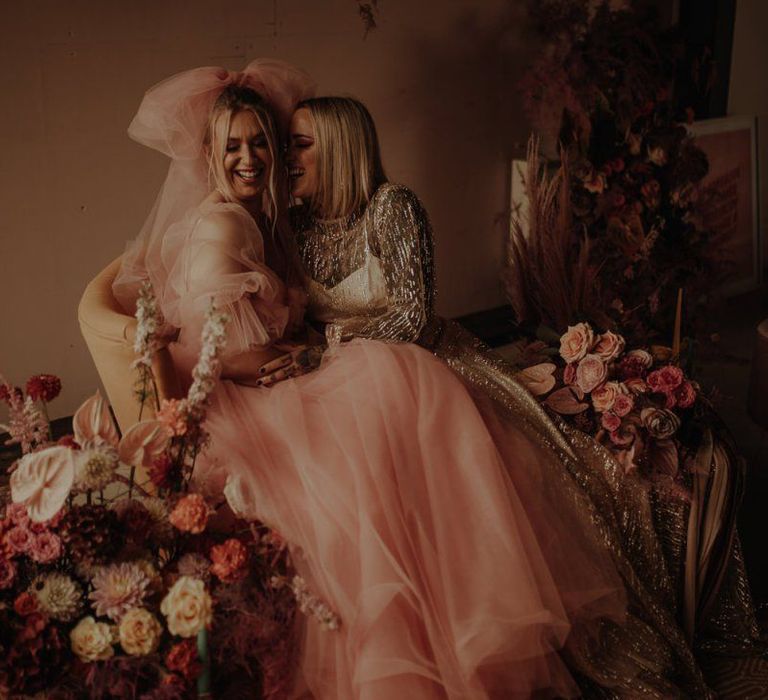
(349, 169)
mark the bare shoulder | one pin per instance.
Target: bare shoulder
(224, 223)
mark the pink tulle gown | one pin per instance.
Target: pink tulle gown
(418, 513)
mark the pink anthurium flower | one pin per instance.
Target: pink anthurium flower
(538, 379)
(565, 402)
(42, 481)
(144, 442)
(93, 425)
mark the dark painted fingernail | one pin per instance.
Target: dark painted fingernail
(258, 382)
(262, 370)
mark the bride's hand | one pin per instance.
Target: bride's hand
(299, 360)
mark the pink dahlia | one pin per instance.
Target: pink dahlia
(117, 588)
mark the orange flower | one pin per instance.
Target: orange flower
(190, 514)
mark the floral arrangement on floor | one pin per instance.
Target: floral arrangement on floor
(603, 88)
(113, 588)
(636, 401)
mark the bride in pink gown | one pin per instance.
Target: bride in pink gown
(396, 488)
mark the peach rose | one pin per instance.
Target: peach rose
(591, 373)
(190, 514)
(91, 640)
(604, 397)
(636, 385)
(576, 342)
(139, 632)
(609, 346)
(42, 481)
(187, 607)
(569, 373)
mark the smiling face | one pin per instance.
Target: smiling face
(302, 155)
(247, 159)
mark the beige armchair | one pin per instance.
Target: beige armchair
(109, 334)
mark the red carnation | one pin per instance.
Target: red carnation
(25, 604)
(45, 387)
(183, 659)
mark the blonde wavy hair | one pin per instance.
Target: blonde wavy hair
(349, 168)
(232, 100)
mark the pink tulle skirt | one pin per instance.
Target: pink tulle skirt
(424, 518)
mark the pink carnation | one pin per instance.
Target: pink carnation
(190, 514)
(611, 422)
(591, 373)
(19, 539)
(666, 379)
(46, 547)
(229, 560)
(7, 573)
(623, 404)
(17, 513)
(685, 395)
(172, 415)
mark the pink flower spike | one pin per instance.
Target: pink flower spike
(93, 425)
(144, 442)
(42, 481)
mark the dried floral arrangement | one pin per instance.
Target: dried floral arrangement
(603, 90)
(114, 587)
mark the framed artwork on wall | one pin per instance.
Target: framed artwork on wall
(728, 196)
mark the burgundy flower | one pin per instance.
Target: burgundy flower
(7, 392)
(164, 473)
(685, 395)
(45, 387)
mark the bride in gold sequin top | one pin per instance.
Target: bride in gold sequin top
(366, 249)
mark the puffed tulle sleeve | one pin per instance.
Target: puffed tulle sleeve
(220, 260)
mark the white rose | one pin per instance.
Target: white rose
(140, 632)
(187, 607)
(91, 640)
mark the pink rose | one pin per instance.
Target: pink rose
(576, 342)
(42, 481)
(190, 514)
(19, 539)
(591, 373)
(634, 364)
(7, 573)
(623, 404)
(46, 547)
(604, 397)
(611, 422)
(685, 395)
(609, 346)
(569, 373)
